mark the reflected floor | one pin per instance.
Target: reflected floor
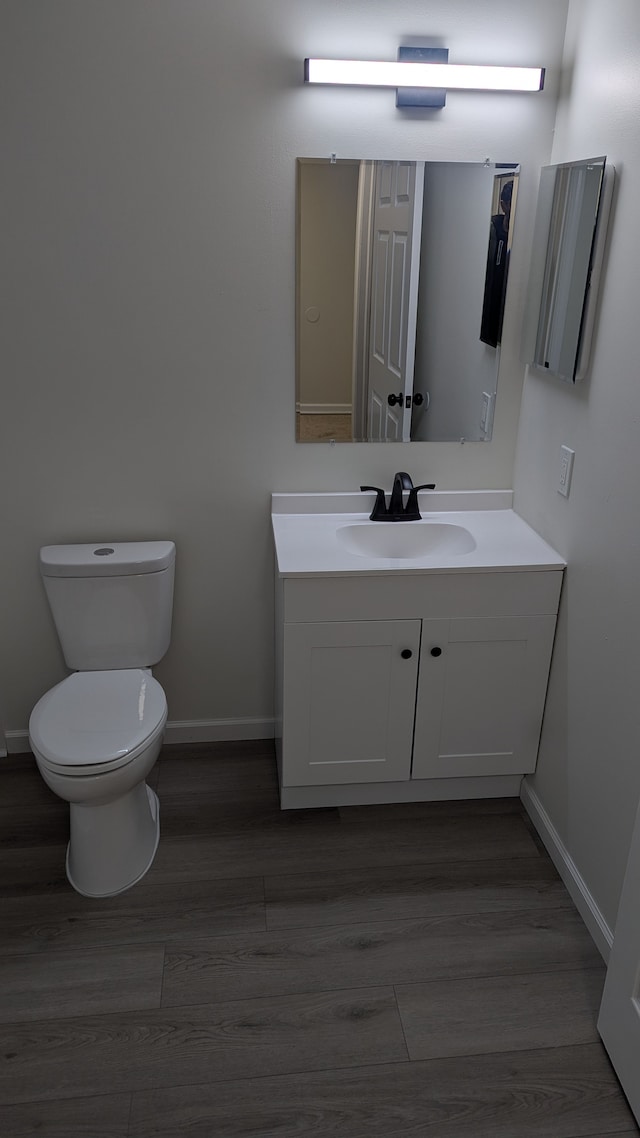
(323, 428)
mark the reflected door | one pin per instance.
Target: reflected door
(394, 298)
(619, 1022)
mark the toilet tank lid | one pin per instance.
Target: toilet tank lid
(106, 559)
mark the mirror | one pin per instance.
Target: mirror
(573, 205)
(401, 282)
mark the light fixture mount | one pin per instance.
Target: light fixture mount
(422, 75)
(435, 97)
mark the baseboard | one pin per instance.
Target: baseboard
(183, 731)
(324, 408)
(218, 730)
(577, 888)
(17, 742)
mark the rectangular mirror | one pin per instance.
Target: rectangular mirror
(401, 281)
(571, 218)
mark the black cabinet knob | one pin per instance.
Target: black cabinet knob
(406, 653)
(436, 651)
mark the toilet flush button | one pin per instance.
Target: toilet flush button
(104, 551)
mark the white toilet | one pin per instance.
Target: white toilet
(96, 735)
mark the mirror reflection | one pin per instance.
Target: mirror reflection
(401, 280)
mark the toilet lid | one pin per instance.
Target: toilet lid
(97, 717)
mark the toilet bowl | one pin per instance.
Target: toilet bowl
(95, 738)
(96, 735)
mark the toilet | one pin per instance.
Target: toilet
(97, 735)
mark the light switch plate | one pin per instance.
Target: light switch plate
(566, 470)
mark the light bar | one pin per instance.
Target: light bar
(451, 76)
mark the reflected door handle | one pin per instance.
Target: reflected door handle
(406, 653)
(419, 399)
(436, 651)
(393, 399)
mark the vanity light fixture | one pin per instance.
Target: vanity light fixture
(422, 75)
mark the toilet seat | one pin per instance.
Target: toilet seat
(95, 722)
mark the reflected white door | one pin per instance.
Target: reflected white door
(397, 222)
(619, 1022)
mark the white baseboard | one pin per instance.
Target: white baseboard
(218, 730)
(183, 731)
(17, 742)
(577, 888)
(324, 408)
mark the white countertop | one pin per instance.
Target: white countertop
(305, 525)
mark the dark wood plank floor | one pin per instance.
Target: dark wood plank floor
(371, 972)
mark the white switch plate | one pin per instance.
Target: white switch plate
(566, 470)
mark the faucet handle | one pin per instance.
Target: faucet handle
(380, 507)
(412, 513)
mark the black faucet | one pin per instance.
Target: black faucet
(397, 511)
(401, 481)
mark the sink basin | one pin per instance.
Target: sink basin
(405, 539)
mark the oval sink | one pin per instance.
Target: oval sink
(405, 539)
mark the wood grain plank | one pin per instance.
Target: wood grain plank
(560, 1093)
(306, 841)
(21, 780)
(246, 1038)
(452, 808)
(34, 823)
(83, 982)
(146, 913)
(503, 1013)
(397, 895)
(296, 900)
(388, 952)
(213, 785)
(106, 1116)
(26, 870)
(231, 772)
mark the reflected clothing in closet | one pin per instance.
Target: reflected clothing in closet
(495, 282)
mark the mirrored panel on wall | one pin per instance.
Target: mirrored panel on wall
(568, 248)
(402, 274)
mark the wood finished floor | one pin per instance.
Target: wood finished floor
(369, 972)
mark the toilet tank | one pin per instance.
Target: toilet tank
(111, 603)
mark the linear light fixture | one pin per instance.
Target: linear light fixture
(412, 72)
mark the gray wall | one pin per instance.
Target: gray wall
(148, 259)
(453, 364)
(588, 776)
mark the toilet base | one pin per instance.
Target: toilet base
(113, 845)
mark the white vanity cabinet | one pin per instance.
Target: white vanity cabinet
(350, 697)
(481, 695)
(395, 687)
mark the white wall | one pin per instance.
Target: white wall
(148, 258)
(588, 776)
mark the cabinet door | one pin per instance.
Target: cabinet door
(349, 701)
(481, 696)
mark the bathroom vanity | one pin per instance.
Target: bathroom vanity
(412, 659)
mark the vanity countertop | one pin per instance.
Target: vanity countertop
(305, 528)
